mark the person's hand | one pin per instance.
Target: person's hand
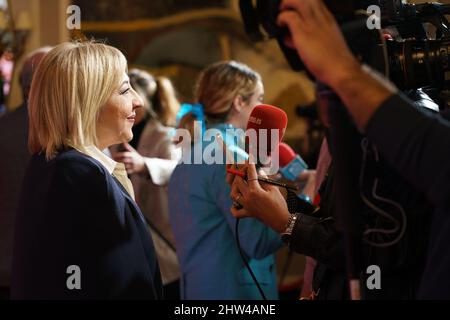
(133, 161)
(243, 168)
(316, 36)
(262, 201)
(239, 167)
(230, 176)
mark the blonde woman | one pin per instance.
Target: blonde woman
(150, 159)
(79, 232)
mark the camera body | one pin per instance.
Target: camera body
(411, 58)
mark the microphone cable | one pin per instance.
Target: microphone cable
(399, 226)
(159, 234)
(246, 262)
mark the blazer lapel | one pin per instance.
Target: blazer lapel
(130, 201)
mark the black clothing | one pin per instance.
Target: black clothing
(417, 145)
(384, 188)
(73, 212)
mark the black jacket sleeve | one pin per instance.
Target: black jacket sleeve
(314, 233)
(416, 144)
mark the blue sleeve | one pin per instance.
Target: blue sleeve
(416, 144)
(257, 240)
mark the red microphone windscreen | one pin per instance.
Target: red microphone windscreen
(286, 154)
(271, 118)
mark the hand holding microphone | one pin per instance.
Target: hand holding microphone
(262, 201)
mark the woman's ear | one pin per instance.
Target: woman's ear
(238, 103)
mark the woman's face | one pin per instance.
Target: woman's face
(118, 115)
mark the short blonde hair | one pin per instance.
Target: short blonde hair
(70, 86)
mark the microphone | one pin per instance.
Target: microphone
(291, 164)
(291, 167)
(265, 129)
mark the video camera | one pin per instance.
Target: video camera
(414, 55)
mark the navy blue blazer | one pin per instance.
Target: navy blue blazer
(72, 212)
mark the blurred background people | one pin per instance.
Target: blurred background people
(13, 161)
(150, 158)
(79, 233)
(204, 229)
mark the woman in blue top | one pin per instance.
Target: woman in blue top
(199, 201)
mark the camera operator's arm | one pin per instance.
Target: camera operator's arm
(319, 42)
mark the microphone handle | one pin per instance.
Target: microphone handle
(277, 183)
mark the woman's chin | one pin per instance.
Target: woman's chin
(125, 135)
(129, 136)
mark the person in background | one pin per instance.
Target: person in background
(79, 233)
(150, 163)
(204, 229)
(13, 161)
(6, 70)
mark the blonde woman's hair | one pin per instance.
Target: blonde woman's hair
(158, 94)
(70, 86)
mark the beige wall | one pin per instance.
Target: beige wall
(47, 28)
